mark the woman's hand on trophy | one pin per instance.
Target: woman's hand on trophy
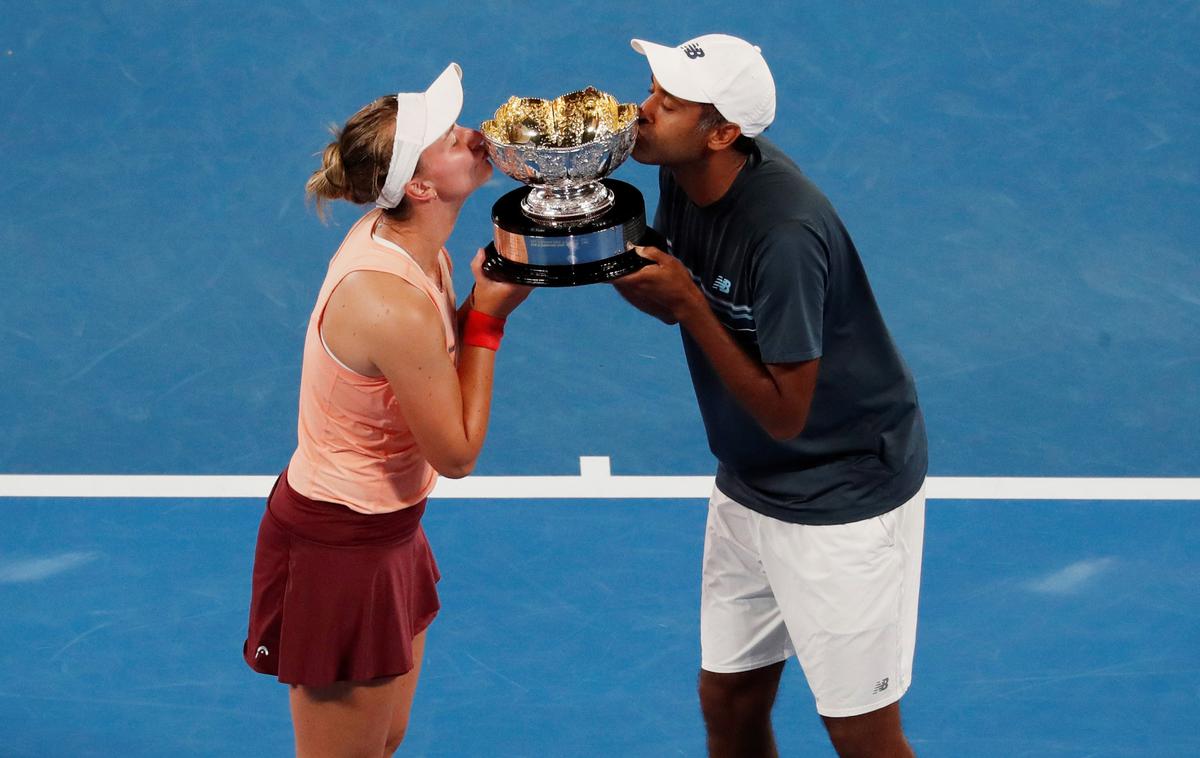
(664, 288)
(495, 298)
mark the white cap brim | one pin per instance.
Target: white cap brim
(667, 65)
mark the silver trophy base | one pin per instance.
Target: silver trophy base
(533, 252)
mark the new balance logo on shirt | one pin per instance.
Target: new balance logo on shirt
(739, 318)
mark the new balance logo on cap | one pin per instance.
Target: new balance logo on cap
(693, 51)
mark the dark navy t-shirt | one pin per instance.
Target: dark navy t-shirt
(782, 275)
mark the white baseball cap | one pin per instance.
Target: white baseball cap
(726, 71)
(421, 117)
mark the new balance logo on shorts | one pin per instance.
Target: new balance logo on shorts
(693, 51)
(722, 285)
(881, 685)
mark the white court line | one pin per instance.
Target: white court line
(595, 481)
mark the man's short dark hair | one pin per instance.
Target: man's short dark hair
(711, 118)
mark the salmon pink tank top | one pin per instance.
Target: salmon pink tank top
(354, 446)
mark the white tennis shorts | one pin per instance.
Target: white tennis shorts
(842, 598)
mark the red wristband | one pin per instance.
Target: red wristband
(482, 330)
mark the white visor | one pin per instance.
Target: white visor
(421, 117)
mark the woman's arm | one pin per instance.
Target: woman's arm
(445, 406)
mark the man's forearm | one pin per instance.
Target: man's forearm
(645, 305)
(746, 379)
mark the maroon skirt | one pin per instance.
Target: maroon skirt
(338, 596)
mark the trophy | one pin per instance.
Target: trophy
(572, 224)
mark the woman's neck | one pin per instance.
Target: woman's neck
(423, 234)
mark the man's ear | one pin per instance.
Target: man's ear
(420, 190)
(723, 136)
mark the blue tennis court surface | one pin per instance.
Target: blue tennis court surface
(1022, 180)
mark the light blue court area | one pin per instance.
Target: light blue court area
(1022, 181)
(1063, 629)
